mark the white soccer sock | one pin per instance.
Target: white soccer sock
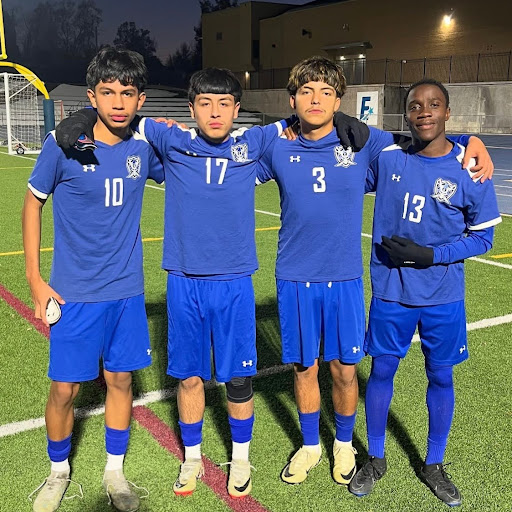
(61, 467)
(114, 462)
(314, 448)
(240, 451)
(339, 444)
(193, 452)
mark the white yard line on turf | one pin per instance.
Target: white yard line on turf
(17, 427)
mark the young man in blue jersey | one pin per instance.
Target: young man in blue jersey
(319, 261)
(97, 273)
(429, 216)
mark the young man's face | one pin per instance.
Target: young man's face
(315, 104)
(426, 112)
(214, 114)
(116, 103)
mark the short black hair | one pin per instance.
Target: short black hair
(111, 64)
(214, 81)
(427, 81)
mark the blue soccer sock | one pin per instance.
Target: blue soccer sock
(310, 427)
(116, 441)
(344, 427)
(241, 435)
(192, 436)
(440, 404)
(116, 444)
(59, 451)
(379, 392)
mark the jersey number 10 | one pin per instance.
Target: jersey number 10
(114, 192)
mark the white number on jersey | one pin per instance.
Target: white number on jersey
(219, 162)
(414, 216)
(116, 191)
(319, 173)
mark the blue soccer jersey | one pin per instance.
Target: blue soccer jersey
(97, 204)
(321, 186)
(435, 203)
(209, 198)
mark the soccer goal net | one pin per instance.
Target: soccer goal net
(21, 114)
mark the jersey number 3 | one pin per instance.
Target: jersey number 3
(319, 174)
(417, 203)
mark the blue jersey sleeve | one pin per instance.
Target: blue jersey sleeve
(481, 214)
(371, 177)
(156, 169)
(475, 243)
(163, 138)
(264, 137)
(46, 173)
(265, 171)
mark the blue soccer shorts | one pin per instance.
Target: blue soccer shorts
(310, 312)
(115, 331)
(205, 314)
(442, 331)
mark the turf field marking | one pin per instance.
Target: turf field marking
(153, 186)
(214, 477)
(160, 395)
(23, 310)
(18, 427)
(498, 256)
(268, 213)
(9, 168)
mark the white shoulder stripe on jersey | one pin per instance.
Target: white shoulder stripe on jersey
(279, 128)
(393, 147)
(139, 136)
(142, 126)
(472, 162)
(486, 225)
(239, 132)
(37, 193)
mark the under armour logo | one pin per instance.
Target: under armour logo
(295, 158)
(89, 167)
(462, 349)
(395, 177)
(355, 350)
(148, 351)
(247, 363)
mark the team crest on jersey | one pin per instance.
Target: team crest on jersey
(344, 157)
(240, 152)
(443, 190)
(133, 164)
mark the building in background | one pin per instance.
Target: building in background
(377, 42)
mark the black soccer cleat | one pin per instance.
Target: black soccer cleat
(440, 484)
(364, 481)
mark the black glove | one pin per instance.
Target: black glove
(69, 129)
(351, 131)
(406, 253)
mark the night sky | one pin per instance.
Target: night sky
(170, 22)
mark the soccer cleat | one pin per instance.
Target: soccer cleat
(304, 460)
(119, 492)
(51, 493)
(440, 484)
(344, 467)
(190, 471)
(239, 482)
(364, 480)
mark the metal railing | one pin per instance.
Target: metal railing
(481, 67)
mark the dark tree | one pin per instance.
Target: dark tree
(60, 39)
(136, 39)
(11, 24)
